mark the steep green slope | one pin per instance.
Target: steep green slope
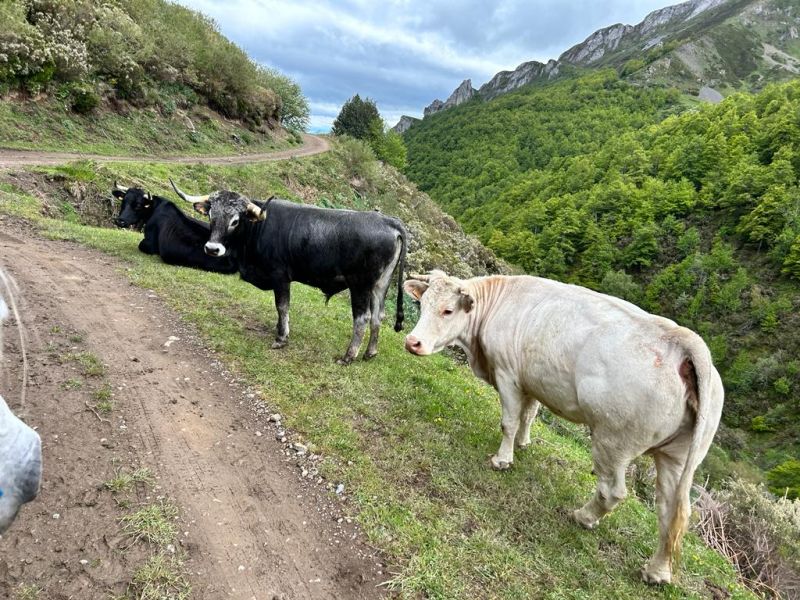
(408, 437)
(82, 75)
(696, 217)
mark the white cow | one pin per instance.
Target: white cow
(20, 449)
(640, 382)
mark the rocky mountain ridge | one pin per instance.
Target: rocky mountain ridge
(404, 124)
(716, 46)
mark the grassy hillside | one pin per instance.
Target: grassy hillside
(409, 438)
(347, 177)
(82, 75)
(695, 217)
(194, 129)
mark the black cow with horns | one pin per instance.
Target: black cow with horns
(168, 232)
(330, 249)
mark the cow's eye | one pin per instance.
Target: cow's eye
(447, 311)
(234, 222)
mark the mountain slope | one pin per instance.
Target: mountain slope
(720, 44)
(83, 75)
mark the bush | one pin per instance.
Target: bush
(759, 534)
(294, 111)
(387, 145)
(24, 53)
(359, 161)
(759, 425)
(785, 479)
(621, 285)
(136, 46)
(83, 98)
(632, 66)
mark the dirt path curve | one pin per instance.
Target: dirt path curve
(253, 528)
(312, 144)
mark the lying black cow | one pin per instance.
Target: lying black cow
(176, 237)
(332, 250)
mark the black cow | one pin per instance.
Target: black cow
(176, 237)
(332, 250)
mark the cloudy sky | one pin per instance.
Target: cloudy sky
(405, 53)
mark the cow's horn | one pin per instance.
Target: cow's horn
(420, 277)
(186, 196)
(255, 210)
(119, 187)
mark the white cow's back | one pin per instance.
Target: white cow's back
(590, 357)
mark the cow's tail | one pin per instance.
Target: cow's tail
(401, 269)
(705, 395)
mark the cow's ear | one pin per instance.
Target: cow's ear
(467, 301)
(415, 288)
(118, 194)
(201, 207)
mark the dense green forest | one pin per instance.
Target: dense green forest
(149, 53)
(693, 214)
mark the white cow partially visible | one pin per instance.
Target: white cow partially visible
(20, 450)
(640, 382)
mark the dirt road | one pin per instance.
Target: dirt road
(251, 526)
(312, 144)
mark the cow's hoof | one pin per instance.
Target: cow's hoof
(344, 361)
(277, 344)
(523, 444)
(584, 521)
(657, 576)
(501, 465)
(369, 355)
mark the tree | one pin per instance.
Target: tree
(356, 118)
(387, 145)
(294, 109)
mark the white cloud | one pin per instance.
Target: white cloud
(405, 53)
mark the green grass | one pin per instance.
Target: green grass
(125, 482)
(27, 592)
(102, 397)
(154, 523)
(410, 438)
(49, 126)
(72, 384)
(90, 364)
(160, 578)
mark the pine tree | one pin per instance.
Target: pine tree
(356, 118)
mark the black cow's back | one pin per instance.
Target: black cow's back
(329, 249)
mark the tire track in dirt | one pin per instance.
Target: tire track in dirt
(312, 144)
(252, 528)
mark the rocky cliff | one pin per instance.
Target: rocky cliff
(461, 94)
(404, 124)
(700, 44)
(505, 81)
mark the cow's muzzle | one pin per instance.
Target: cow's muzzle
(214, 249)
(121, 223)
(414, 345)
